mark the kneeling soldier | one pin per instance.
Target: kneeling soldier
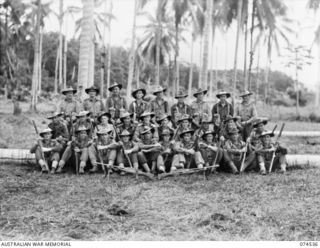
(50, 149)
(185, 155)
(104, 149)
(271, 153)
(164, 159)
(80, 145)
(234, 153)
(210, 150)
(149, 150)
(129, 148)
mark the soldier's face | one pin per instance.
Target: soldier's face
(260, 127)
(116, 90)
(187, 137)
(160, 94)
(185, 123)
(223, 98)
(83, 134)
(246, 98)
(216, 120)
(104, 119)
(126, 120)
(147, 119)
(266, 140)
(139, 94)
(234, 136)
(231, 124)
(104, 137)
(82, 118)
(209, 138)
(166, 137)
(205, 125)
(148, 135)
(125, 139)
(47, 135)
(69, 95)
(56, 119)
(112, 113)
(164, 122)
(181, 100)
(92, 93)
(200, 96)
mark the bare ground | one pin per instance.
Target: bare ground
(226, 207)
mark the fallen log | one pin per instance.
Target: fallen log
(24, 155)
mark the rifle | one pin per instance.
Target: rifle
(216, 157)
(274, 152)
(40, 145)
(122, 147)
(184, 172)
(244, 157)
(100, 158)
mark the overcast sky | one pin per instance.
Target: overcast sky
(224, 43)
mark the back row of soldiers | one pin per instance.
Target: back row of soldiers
(148, 138)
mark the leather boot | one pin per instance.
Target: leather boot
(263, 170)
(283, 168)
(233, 168)
(94, 168)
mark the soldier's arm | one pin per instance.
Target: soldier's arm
(135, 148)
(125, 104)
(57, 147)
(34, 148)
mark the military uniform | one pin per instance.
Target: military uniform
(118, 102)
(141, 126)
(94, 106)
(208, 154)
(138, 108)
(223, 110)
(121, 158)
(69, 107)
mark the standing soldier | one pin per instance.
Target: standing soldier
(200, 106)
(145, 119)
(267, 151)
(180, 108)
(93, 104)
(159, 105)
(50, 150)
(185, 154)
(69, 106)
(223, 107)
(116, 100)
(247, 114)
(138, 106)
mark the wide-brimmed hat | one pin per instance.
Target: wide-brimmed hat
(233, 131)
(166, 131)
(185, 117)
(181, 94)
(44, 131)
(223, 93)
(208, 132)
(264, 133)
(229, 118)
(103, 114)
(246, 93)
(83, 113)
(92, 88)
(82, 128)
(125, 115)
(115, 84)
(199, 91)
(158, 89)
(104, 131)
(70, 89)
(186, 131)
(162, 117)
(144, 92)
(54, 115)
(146, 113)
(263, 121)
(147, 129)
(125, 132)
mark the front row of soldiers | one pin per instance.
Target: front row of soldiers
(157, 148)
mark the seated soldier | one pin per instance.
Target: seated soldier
(104, 149)
(50, 149)
(265, 154)
(217, 125)
(112, 112)
(59, 129)
(104, 122)
(164, 122)
(184, 123)
(205, 125)
(164, 159)
(145, 122)
(254, 138)
(128, 147)
(79, 146)
(149, 150)
(83, 120)
(186, 156)
(126, 123)
(230, 123)
(210, 150)
(234, 150)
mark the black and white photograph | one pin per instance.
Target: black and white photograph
(159, 120)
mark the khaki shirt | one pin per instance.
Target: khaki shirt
(94, 106)
(159, 108)
(201, 108)
(118, 103)
(69, 107)
(247, 112)
(138, 109)
(140, 128)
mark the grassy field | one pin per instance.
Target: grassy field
(226, 207)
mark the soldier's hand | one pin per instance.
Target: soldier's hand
(120, 143)
(191, 151)
(204, 145)
(46, 149)
(76, 149)
(222, 139)
(69, 143)
(90, 143)
(128, 151)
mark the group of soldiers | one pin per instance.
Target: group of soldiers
(151, 138)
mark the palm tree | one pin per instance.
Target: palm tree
(314, 5)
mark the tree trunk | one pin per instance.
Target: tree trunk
(258, 74)
(65, 50)
(239, 14)
(86, 46)
(251, 43)
(176, 63)
(35, 75)
(245, 74)
(211, 88)
(109, 48)
(317, 103)
(137, 75)
(158, 43)
(200, 58)
(132, 50)
(297, 86)
(60, 42)
(191, 67)
(56, 73)
(205, 52)
(40, 62)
